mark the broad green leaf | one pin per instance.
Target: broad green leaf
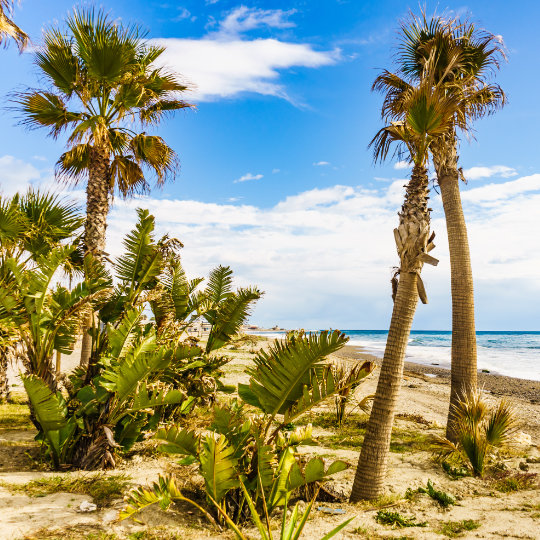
(176, 440)
(218, 466)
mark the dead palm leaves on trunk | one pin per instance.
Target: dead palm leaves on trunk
(480, 430)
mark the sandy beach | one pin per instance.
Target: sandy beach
(421, 413)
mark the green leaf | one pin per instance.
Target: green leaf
(218, 466)
(145, 400)
(313, 472)
(50, 411)
(176, 440)
(120, 338)
(229, 317)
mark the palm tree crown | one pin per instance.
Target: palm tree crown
(102, 82)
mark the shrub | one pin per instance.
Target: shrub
(480, 430)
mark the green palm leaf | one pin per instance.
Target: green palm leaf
(176, 440)
(141, 261)
(277, 381)
(229, 317)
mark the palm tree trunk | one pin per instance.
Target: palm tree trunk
(4, 384)
(413, 242)
(464, 376)
(372, 464)
(95, 227)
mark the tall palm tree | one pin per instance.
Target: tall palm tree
(8, 29)
(428, 116)
(459, 59)
(103, 84)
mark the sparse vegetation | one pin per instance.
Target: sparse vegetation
(443, 498)
(508, 481)
(101, 487)
(479, 430)
(15, 414)
(396, 520)
(453, 529)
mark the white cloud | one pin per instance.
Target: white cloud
(183, 13)
(321, 163)
(275, 171)
(16, 175)
(324, 256)
(222, 64)
(400, 165)
(248, 177)
(243, 19)
(475, 173)
(492, 193)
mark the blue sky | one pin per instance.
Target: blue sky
(276, 179)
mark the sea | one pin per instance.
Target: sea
(510, 353)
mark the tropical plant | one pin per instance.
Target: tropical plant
(345, 396)
(8, 29)
(136, 367)
(31, 227)
(427, 115)
(254, 454)
(458, 59)
(165, 492)
(102, 80)
(480, 430)
(45, 315)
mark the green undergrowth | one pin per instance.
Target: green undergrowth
(453, 529)
(407, 436)
(102, 488)
(508, 482)
(15, 414)
(397, 520)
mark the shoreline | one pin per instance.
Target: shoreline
(498, 385)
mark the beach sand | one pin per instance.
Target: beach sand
(433, 396)
(421, 409)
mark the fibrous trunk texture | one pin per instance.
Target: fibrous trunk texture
(464, 360)
(4, 384)
(95, 227)
(413, 241)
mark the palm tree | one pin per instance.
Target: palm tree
(428, 116)
(459, 59)
(102, 83)
(8, 29)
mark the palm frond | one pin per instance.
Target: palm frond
(230, 315)
(8, 28)
(280, 373)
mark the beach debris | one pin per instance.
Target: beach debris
(522, 439)
(327, 510)
(87, 506)
(524, 466)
